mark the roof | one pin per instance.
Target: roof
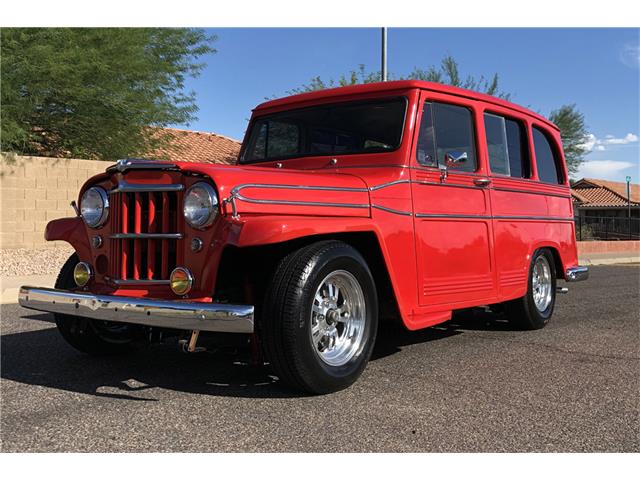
(193, 146)
(398, 85)
(592, 192)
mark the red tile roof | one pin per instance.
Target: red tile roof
(592, 192)
(192, 146)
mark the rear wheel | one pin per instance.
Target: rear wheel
(534, 310)
(320, 317)
(90, 336)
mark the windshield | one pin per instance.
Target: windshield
(338, 129)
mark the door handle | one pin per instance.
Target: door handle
(482, 182)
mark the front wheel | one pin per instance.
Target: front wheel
(90, 336)
(534, 310)
(320, 317)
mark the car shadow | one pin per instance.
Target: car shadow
(41, 357)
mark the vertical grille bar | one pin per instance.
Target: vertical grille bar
(137, 223)
(165, 228)
(124, 244)
(151, 245)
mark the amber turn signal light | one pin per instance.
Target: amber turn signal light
(82, 273)
(181, 281)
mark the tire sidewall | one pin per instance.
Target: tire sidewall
(329, 377)
(541, 318)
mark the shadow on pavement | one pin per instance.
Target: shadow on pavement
(41, 357)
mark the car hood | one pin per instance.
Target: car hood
(266, 190)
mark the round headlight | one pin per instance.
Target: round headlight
(181, 280)
(94, 207)
(200, 205)
(82, 273)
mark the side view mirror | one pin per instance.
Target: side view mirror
(454, 157)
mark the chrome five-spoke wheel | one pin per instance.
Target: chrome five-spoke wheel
(338, 318)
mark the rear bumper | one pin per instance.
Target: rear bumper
(211, 317)
(576, 274)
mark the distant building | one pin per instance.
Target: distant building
(193, 146)
(602, 198)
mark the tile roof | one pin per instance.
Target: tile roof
(193, 146)
(592, 192)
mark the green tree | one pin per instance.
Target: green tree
(573, 131)
(568, 118)
(95, 92)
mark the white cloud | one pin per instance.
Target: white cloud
(604, 169)
(598, 144)
(630, 55)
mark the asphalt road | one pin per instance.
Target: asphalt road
(470, 385)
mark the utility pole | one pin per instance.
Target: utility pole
(629, 203)
(384, 54)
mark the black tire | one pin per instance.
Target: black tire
(286, 320)
(87, 335)
(523, 312)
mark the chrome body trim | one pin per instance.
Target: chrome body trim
(576, 274)
(237, 188)
(133, 236)
(391, 210)
(495, 217)
(142, 187)
(125, 164)
(210, 317)
(388, 184)
(236, 195)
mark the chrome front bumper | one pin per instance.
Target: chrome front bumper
(576, 274)
(210, 317)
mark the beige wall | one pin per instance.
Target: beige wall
(35, 190)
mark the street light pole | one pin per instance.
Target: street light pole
(629, 203)
(383, 70)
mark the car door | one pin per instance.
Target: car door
(453, 227)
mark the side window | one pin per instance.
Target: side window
(273, 139)
(546, 159)
(507, 146)
(283, 139)
(446, 137)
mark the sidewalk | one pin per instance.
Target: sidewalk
(609, 258)
(10, 286)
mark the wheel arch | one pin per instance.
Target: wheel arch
(252, 265)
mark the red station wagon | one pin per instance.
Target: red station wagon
(400, 199)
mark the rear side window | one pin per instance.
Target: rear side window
(507, 146)
(446, 137)
(547, 159)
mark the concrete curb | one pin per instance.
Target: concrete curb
(10, 286)
(609, 261)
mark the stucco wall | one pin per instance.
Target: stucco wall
(35, 190)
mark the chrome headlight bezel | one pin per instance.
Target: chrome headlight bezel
(101, 215)
(212, 208)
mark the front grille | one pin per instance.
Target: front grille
(145, 233)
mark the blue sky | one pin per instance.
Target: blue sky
(597, 69)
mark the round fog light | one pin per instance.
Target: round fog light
(82, 273)
(181, 280)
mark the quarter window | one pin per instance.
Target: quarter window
(446, 137)
(507, 146)
(546, 159)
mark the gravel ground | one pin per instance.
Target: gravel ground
(470, 385)
(42, 261)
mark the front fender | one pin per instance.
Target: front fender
(70, 230)
(269, 229)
